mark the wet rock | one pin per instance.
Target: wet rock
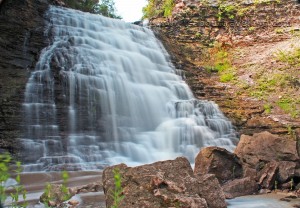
(91, 187)
(218, 161)
(21, 39)
(240, 187)
(265, 147)
(264, 191)
(73, 202)
(163, 184)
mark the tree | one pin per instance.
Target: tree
(104, 7)
(107, 8)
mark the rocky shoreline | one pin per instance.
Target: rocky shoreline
(261, 164)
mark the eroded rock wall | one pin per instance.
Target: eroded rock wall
(21, 40)
(196, 25)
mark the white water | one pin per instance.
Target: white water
(105, 92)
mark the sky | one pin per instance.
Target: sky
(130, 10)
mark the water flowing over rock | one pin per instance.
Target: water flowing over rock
(105, 92)
(168, 183)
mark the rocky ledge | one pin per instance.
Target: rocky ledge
(260, 164)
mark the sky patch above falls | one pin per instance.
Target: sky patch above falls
(130, 10)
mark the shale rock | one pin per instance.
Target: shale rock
(220, 162)
(21, 40)
(163, 184)
(267, 176)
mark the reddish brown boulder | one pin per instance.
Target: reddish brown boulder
(211, 191)
(240, 187)
(220, 162)
(265, 147)
(163, 184)
(286, 171)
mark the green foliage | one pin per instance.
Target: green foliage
(276, 185)
(103, 7)
(219, 60)
(149, 11)
(156, 8)
(19, 189)
(5, 161)
(64, 187)
(117, 192)
(226, 10)
(292, 184)
(65, 194)
(291, 132)
(4, 175)
(290, 57)
(288, 106)
(47, 192)
(227, 77)
(168, 6)
(268, 108)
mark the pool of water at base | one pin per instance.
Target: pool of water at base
(271, 200)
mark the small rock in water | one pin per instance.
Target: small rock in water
(264, 191)
(285, 199)
(73, 202)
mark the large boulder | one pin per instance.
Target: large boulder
(163, 184)
(265, 147)
(240, 187)
(220, 162)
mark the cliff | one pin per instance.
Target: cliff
(21, 40)
(241, 54)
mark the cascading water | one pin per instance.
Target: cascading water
(104, 92)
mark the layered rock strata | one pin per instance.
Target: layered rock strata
(21, 40)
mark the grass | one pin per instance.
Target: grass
(292, 57)
(288, 105)
(219, 60)
(268, 108)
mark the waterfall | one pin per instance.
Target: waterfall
(105, 92)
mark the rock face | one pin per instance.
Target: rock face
(262, 161)
(266, 147)
(163, 184)
(21, 40)
(218, 161)
(272, 157)
(196, 25)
